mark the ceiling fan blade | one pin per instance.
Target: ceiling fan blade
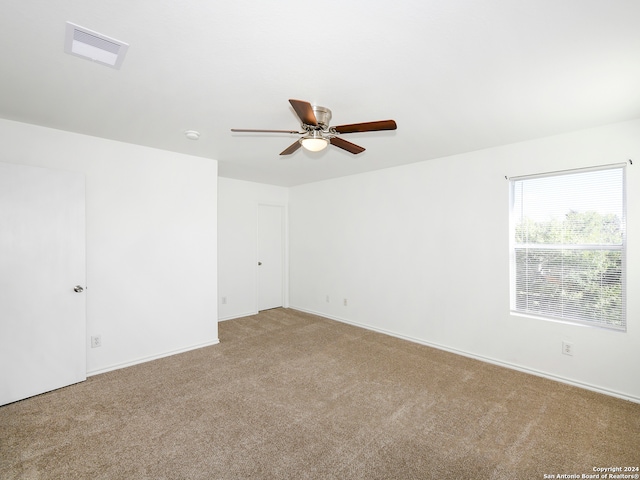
(348, 146)
(291, 148)
(304, 111)
(367, 126)
(245, 130)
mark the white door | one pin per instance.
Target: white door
(270, 256)
(42, 260)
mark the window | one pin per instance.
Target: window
(568, 246)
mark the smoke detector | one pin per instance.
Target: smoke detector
(192, 134)
(94, 46)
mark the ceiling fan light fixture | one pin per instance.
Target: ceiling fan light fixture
(314, 121)
(314, 142)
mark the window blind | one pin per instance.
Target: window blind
(568, 246)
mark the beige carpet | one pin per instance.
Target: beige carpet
(288, 395)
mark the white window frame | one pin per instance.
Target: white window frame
(599, 247)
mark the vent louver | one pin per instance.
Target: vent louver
(94, 46)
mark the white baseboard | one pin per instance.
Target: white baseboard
(239, 315)
(150, 358)
(493, 361)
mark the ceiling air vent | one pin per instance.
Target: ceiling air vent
(94, 46)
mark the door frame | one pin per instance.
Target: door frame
(285, 252)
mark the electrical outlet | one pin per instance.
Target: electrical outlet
(96, 341)
(567, 348)
(344, 302)
(327, 299)
(224, 300)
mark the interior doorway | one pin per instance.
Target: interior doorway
(271, 257)
(42, 280)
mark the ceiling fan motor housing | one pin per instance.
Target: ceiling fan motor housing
(323, 116)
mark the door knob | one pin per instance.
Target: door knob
(259, 263)
(78, 289)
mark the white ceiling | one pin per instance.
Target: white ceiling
(456, 75)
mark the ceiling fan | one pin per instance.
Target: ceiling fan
(317, 134)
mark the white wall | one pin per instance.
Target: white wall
(421, 251)
(151, 241)
(237, 242)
